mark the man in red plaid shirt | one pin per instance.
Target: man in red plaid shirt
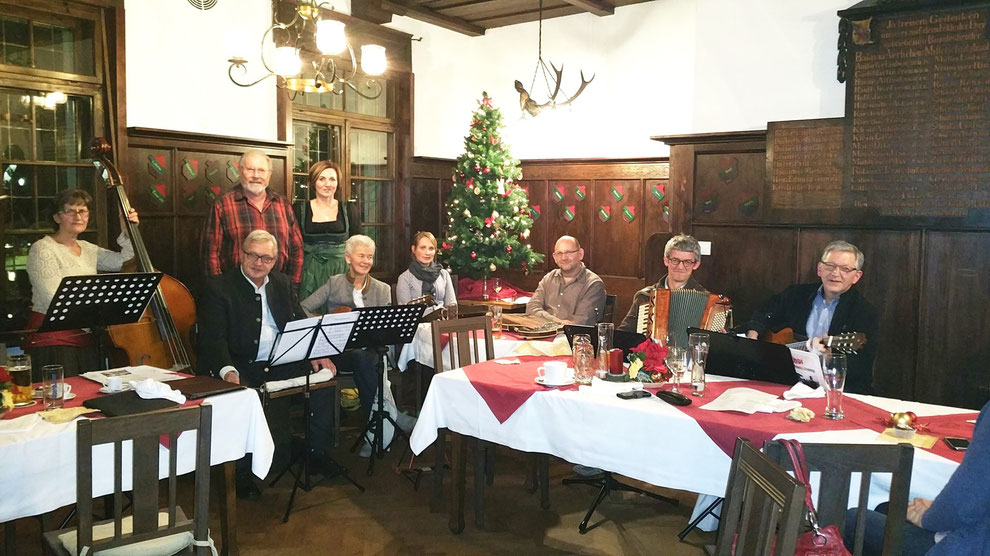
(251, 206)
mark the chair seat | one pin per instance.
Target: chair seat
(63, 541)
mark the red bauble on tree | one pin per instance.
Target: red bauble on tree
(508, 249)
(474, 255)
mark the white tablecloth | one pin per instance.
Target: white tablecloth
(644, 439)
(421, 348)
(38, 467)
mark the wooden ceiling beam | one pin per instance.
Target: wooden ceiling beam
(429, 16)
(597, 7)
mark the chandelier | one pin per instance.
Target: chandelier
(294, 51)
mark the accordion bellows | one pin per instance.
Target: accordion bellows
(676, 310)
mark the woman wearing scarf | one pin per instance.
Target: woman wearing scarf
(326, 223)
(425, 276)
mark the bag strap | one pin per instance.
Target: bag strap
(796, 452)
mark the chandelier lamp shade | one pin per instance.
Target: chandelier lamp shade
(304, 57)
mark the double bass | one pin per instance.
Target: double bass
(161, 338)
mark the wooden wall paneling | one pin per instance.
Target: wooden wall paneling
(682, 180)
(541, 209)
(617, 222)
(429, 215)
(656, 208)
(748, 264)
(569, 214)
(954, 346)
(891, 282)
(729, 186)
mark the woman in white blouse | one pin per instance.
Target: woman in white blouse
(59, 255)
(425, 275)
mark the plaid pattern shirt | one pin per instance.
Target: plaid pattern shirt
(233, 218)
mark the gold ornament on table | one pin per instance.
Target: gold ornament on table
(904, 419)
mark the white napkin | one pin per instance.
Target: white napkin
(150, 389)
(322, 375)
(802, 391)
(507, 361)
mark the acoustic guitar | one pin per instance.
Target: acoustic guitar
(847, 342)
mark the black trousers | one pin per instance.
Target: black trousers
(363, 364)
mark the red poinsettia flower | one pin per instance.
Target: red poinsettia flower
(652, 354)
(5, 376)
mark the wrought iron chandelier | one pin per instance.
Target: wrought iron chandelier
(294, 42)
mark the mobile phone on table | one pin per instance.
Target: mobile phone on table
(957, 444)
(633, 394)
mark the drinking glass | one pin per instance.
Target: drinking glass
(698, 347)
(583, 358)
(677, 361)
(496, 313)
(19, 367)
(834, 368)
(497, 286)
(451, 310)
(53, 386)
(605, 332)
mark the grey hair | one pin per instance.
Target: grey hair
(682, 242)
(254, 152)
(356, 241)
(840, 245)
(260, 236)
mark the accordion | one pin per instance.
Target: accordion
(674, 311)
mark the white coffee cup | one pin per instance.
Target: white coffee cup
(554, 372)
(115, 383)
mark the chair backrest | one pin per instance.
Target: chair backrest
(464, 335)
(608, 315)
(763, 509)
(837, 463)
(145, 431)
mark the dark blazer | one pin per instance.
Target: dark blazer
(229, 316)
(791, 309)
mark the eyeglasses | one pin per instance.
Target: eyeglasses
(564, 253)
(254, 257)
(75, 212)
(681, 262)
(831, 267)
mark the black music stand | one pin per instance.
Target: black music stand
(302, 340)
(98, 301)
(378, 328)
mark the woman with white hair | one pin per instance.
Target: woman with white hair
(353, 289)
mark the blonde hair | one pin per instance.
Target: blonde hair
(420, 235)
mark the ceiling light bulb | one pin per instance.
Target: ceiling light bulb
(373, 59)
(330, 38)
(286, 62)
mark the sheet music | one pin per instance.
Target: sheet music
(293, 342)
(335, 330)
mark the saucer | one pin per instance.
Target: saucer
(107, 390)
(38, 395)
(540, 380)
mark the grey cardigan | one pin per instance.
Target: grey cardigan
(409, 287)
(338, 292)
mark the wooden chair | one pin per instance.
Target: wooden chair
(764, 506)
(146, 524)
(837, 463)
(466, 337)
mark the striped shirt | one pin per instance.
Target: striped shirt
(233, 218)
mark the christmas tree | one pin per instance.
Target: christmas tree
(487, 212)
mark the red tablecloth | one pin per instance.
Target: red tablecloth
(506, 387)
(471, 289)
(724, 426)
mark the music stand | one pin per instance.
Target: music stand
(377, 328)
(98, 301)
(301, 340)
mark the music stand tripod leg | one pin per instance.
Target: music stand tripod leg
(376, 422)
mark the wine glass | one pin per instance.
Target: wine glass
(498, 289)
(677, 363)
